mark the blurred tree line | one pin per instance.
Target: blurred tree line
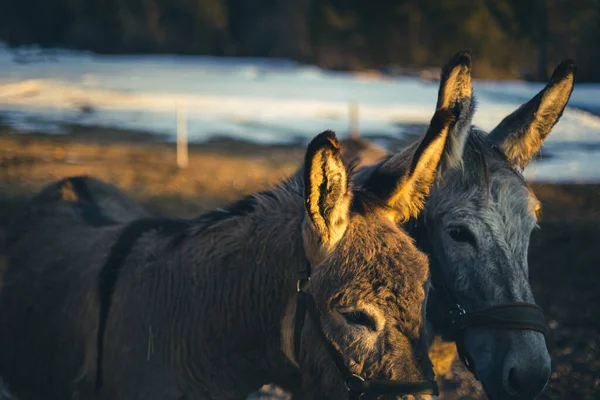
(509, 38)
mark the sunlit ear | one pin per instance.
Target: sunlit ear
(456, 94)
(521, 134)
(326, 194)
(404, 190)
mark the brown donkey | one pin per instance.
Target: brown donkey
(215, 307)
(476, 227)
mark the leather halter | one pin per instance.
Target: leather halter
(512, 315)
(357, 386)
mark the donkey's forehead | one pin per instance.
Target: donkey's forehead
(507, 186)
(376, 230)
(502, 192)
(378, 248)
(486, 178)
(511, 214)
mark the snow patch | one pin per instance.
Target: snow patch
(266, 101)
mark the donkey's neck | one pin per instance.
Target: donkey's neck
(240, 272)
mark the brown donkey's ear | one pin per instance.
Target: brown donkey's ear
(456, 94)
(326, 194)
(403, 191)
(521, 134)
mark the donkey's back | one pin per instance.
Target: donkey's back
(56, 246)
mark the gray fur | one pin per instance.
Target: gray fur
(486, 195)
(201, 313)
(491, 201)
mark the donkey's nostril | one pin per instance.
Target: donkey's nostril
(514, 386)
(360, 318)
(526, 368)
(525, 383)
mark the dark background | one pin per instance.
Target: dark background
(509, 38)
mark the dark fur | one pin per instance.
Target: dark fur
(197, 307)
(109, 274)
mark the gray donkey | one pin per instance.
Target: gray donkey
(211, 308)
(476, 227)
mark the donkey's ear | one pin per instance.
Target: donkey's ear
(402, 190)
(521, 134)
(326, 193)
(456, 94)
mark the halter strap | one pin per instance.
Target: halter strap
(515, 316)
(111, 270)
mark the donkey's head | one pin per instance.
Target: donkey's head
(476, 227)
(369, 282)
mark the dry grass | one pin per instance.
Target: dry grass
(217, 173)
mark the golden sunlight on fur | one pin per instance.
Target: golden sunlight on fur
(442, 355)
(411, 193)
(457, 86)
(67, 192)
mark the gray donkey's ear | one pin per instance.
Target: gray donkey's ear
(456, 94)
(326, 193)
(521, 134)
(403, 190)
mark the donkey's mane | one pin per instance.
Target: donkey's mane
(284, 191)
(480, 153)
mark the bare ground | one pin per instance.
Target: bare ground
(564, 253)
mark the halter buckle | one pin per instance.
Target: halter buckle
(457, 316)
(355, 384)
(300, 283)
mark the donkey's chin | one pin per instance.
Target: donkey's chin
(509, 366)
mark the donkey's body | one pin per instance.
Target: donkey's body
(164, 309)
(77, 234)
(247, 241)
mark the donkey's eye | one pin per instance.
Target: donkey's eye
(357, 317)
(461, 234)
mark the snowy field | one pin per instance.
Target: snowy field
(267, 101)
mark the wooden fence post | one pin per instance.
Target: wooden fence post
(353, 120)
(182, 141)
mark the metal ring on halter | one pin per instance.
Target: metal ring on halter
(355, 383)
(300, 283)
(457, 316)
